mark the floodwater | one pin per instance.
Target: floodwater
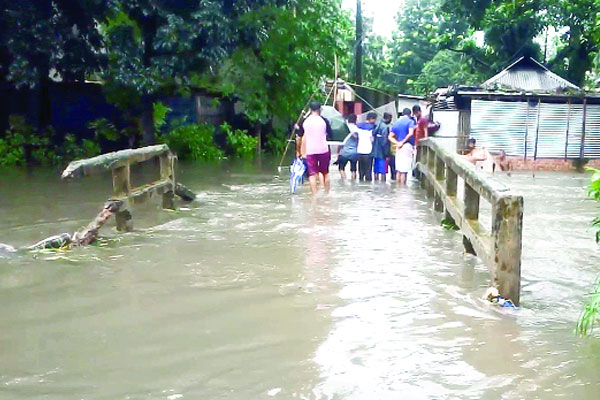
(250, 293)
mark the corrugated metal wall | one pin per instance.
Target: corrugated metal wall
(516, 127)
(592, 131)
(575, 130)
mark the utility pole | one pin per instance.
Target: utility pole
(546, 47)
(359, 49)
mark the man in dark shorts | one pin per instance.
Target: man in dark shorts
(349, 149)
(365, 147)
(313, 138)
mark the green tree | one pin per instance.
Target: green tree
(39, 38)
(154, 46)
(414, 42)
(448, 68)
(580, 23)
(275, 75)
(158, 48)
(511, 27)
(377, 59)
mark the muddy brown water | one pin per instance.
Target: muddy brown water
(250, 293)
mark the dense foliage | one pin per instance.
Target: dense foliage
(275, 75)
(23, 144)
(240, 143)
(193, 142)
(591, 311)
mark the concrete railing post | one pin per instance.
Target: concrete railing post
(471, 213)
(121, 180)
(507, 229)
(440, 170)
(471, 203)
(418, 160)
(167, 173)
(430, 168)
(122, 187)
(451, 184)
(431, 159)
(423, 162)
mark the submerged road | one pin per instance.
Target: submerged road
(250, 293)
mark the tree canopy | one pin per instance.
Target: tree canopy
(486, 37)
(271, 54)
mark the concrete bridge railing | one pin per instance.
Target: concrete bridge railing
(500, 249)
(119, 163)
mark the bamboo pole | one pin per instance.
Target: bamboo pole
(294, 129)
(335, 78)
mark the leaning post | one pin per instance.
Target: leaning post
(507, 229)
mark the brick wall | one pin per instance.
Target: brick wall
(549, 164)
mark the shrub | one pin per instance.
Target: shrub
(193, 142)
(591, 311)
(103, 128)
(21, 138)
(276, 142)
(71, 150)
(159, 114)
(242, 145)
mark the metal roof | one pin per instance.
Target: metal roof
(528, 74)
(410, 96)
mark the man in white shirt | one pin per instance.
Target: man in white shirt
(364, 149)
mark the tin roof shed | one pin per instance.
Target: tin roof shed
(529, 75)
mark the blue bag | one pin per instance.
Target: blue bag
(297, 171)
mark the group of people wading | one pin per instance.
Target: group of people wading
(371, 148)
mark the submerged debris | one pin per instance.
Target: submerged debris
(449, 225)
(4, 248)
(184, 193)
(494, 296)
